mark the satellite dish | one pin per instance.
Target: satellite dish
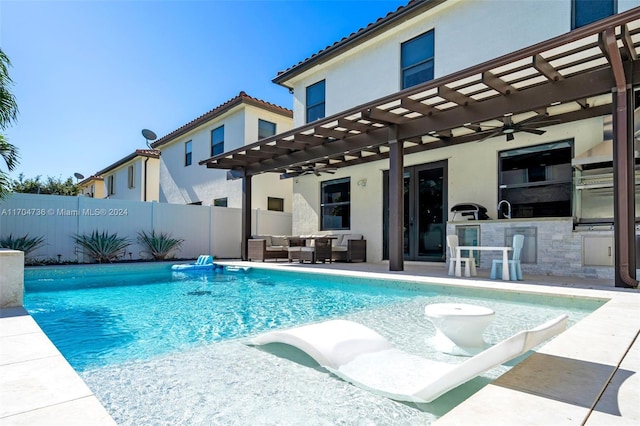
(79, 176)
(149, 135)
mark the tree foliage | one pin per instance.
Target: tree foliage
(8, 114)
(51, 186)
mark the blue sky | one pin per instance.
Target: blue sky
(90, 75)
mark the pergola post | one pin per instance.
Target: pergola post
(396, 201)
(623, 169)
(246, 215)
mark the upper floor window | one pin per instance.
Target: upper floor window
(416, 60)
(266, 129)
(584, 12)
(315, 101)
(131, 176)
(275, 204)
(111, 185)
(188, 153)
(335, 207)
(220, 202)
(217, 141)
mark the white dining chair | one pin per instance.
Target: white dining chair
(455, 262)
(515, 269)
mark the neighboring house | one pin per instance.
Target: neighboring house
(134, 177)
(227, 127)
(443, 103)
(93, 187)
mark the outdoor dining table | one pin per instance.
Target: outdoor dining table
(505, 258)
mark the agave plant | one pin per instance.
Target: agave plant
(26, 244)
(158, 245)
(102, 246)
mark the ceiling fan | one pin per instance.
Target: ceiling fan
(509, 127)
(307, 170)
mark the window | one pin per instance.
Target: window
(188, 153)
(335, 205)
(275, 204)
(220, 202)
(417, 60)
(266, 129)
(537, 180)
(131, 177)
(587, 11)
(217, 141)
(315, 101)
(111, 185)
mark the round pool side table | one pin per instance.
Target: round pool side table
(459, 327)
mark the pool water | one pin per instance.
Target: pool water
(136, 313)
(166, 348)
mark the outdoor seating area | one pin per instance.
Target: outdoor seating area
(310, 248)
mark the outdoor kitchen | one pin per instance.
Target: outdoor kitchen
(560, 201)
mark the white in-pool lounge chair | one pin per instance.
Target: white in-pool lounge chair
(361, 356)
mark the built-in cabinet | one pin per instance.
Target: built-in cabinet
(597, 250)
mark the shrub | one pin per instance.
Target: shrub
(26, 244)
(102, 246)
(158, 245)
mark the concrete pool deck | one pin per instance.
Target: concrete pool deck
(587, 375)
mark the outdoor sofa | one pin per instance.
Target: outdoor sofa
(263, 247)
(344, 247)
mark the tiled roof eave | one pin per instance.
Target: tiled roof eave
(218, 111)
(143, 153)
(413, 8)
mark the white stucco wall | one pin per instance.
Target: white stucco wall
(467, 33)
(136, 193)
(182, 184)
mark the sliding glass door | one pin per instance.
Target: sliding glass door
(425, 212)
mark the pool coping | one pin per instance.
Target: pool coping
(586, 375)
(37, 384)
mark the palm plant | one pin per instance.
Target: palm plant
(102, 246)
(25, 243)
(8, 114)
(158, 245)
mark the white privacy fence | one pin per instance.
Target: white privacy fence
(204, 229)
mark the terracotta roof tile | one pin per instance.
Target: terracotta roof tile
(154, 153)
(242, 97)
(151, 153)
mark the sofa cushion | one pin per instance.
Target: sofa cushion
(276, 248)
(267, 238)
(279, 240)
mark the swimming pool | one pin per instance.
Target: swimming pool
(139, 334)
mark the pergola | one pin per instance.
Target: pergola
(585, 73)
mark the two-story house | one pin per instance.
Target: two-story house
(134, 177)
(93, 187)
(233, 124)
(445, 107)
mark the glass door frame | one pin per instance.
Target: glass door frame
(412, 212)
